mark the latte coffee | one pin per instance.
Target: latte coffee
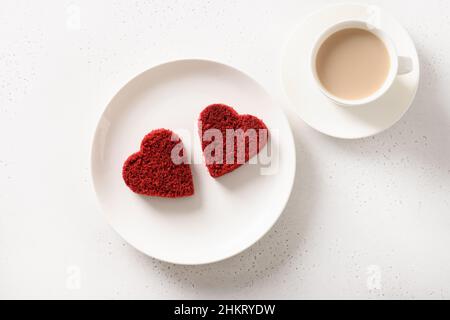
(352, 64)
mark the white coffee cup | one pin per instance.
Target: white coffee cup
(398, 65)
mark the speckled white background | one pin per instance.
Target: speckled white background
(366, 219)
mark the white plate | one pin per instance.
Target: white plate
(320, 113)
(225, 216)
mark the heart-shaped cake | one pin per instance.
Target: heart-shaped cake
(159, 168)
(229, 139)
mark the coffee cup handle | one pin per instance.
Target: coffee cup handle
(405, 65)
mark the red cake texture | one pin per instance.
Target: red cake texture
(223, 117)
(152, 172)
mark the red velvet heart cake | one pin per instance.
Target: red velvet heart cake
(159, 168)
(215, 123)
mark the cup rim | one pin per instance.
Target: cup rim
(380, 34)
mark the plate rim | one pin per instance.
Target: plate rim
(289, 137)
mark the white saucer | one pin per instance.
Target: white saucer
(320, 113)
(226, 215)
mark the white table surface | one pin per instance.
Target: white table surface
(366, 219)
